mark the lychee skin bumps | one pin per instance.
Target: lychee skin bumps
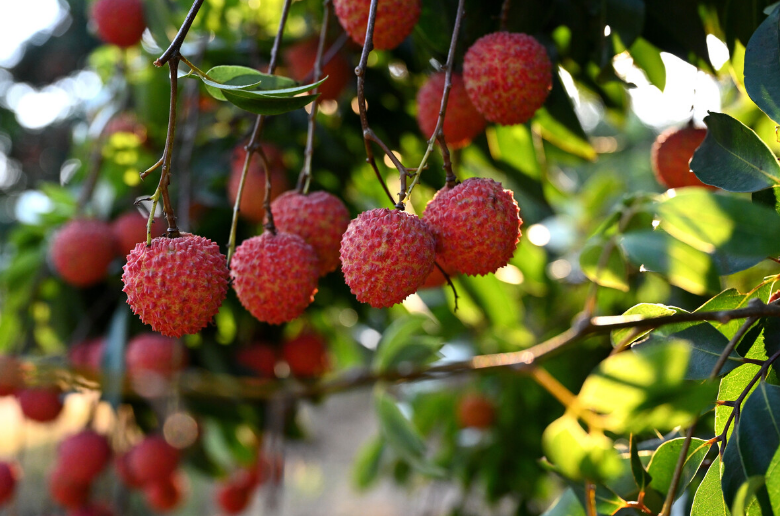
(507, 76)
(671, 156)
(275, 276)
(477, 226)
(120, 22)
(176, 285)
(319, 218)
(462, 121)
(82, 250)
(395, 19)
(386, 255)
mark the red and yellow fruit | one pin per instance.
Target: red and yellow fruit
(66, 491)
(462, 121)
(251, 206)
(395, 20)
(83, 456)
(671, 156)
(82, 250)
(165, 494)
(300, 62)
(41, 404)
(153, 460)
(120, 22)
(306, 355)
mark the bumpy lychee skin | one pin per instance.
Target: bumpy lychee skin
(7, 481)
(275, 276)
(477, 226)
(130, 229)
(306, 355)
(176, 285)
(41, 404)
(476, 411)
(120, 22)
(153, 460)
(507, 76)
(319, 218)
(395, 19)
(84, 455)
(251, 207)
(462, 121)
(386, 255)
(259, 357)
(671, 156)
(150, 352)
(81, 252)
(300, 62)
(10, 375)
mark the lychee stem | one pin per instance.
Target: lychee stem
(175, 45)
(449, 282)
(504, 18)
(165, 175)
(304, 178)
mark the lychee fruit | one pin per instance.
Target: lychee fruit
(66, 491)
(164, 494)
(153, 353)
(10, 375)
(507, 76)
(477, 226)
(306, 355)
(87, 355)
(232, 497)
(462, 121)
(476, 411)
(320, 218)
(124, 472)
(395, 20)
(125, 122)
(7, 481)
(251, 207)
(259, 357)
(82, 250)
(300, 63)
(84, 455)
(41, 404)
(436, 278)
(386, 255)
(176, 285)
(275, 276)
(153, 460)
(671, 156)
(119, 22)
(130, 229)
(92, 510)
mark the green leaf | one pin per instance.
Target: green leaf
(733, 157)
(648, 58)
(401, 342)
(613, 274)
(566, 505)
(773, 482)
(641, 476)
(710, 222)
(707, 344)
(730, 299)
(365, 469)
(267, 105)
(762, 66)
(664, 461)
(745, 498)
(708, 500)
(683, 266)
(232, 78)
(731, 386)
(639, 312)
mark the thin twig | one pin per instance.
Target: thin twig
(590, 499)
(328, 56)
(177, 42)
(449, 282)
(165, 174)
(667, 508)
(504, 18)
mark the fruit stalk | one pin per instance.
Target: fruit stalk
(165, 174)
(175, 45)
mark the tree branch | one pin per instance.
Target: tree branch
(177, 42)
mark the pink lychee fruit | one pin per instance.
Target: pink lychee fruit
(8, 476)
(153, 353)
(386, 255)
(66, 491)
(259, 357)
(124, 472)
(232, 497)
(119, 22)
(275, 276)
(130, 229)
(395, 20)
(153, 460)
(436, 278)
(251, 207)
(671, 156)
(87, 355)
(320, 218)
(306, 355)
(84, 455)
(300, 62)
(477, 226)
(92, 509)
(41, 404)
(165, 494)
(462, 121)
(507, 76)
(82, 250)
(176, 285)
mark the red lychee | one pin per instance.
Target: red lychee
(386, 255)
(66, 491)
(176, 285)
(119, 22)
(476, 411)
(82, 250)
(275, 276)
(477, 226)
(130, 229)
(436, 278)
(251, 207)
(462, 121)
(92, 510)
(395, 19)
(7, 481)
(259, 357)
(232, 497)
(165, 494)
(88, 354)
(123, 471)
(300, 62)
(10, 375)
(306, 355)
(84, 455)
(671, 156)
(153, 353)
(319, 218)
(153, 460)
(507, 76)
(41, 404)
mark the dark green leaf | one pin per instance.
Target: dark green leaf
(664, 461)
(365, 469)
(733, 157)
(708, 500)
(768, 198)
(400, 335)
(397, 430)
(707, 344)
(641, 476)
(648, 59)
(231, 78)
(745, 498)
(762, 66)
(566, 505)
(730, 299)
(266, 105)
(613, 273)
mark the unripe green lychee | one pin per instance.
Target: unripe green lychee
(476, 411)
(386, 255)
(153, 460)
(476, 224)
(462, 121)
(319, 218)
(153, 353)
(251, 207)
(306, 355)
(507, 76)
(119, 22)
(275, 276)
(82, 250)
(300, 62)
(83, 455)
(671, 156)
(176, 285)
(130, 229)
(395, 20)
(41, 404)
